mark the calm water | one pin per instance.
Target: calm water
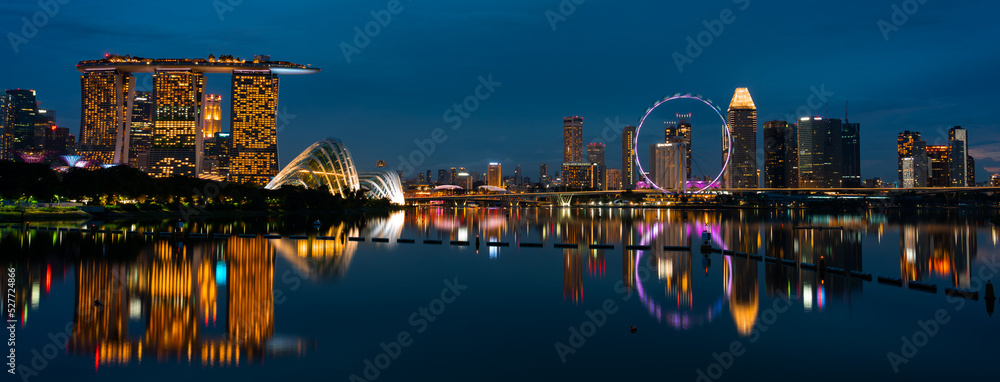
(106, 306)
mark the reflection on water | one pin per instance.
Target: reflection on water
(212, 301)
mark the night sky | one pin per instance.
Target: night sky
(604, 61)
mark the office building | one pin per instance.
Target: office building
(572, 140)
(820, 148)
(628, 158)
(958, 162)
(579, 176)
(518, 179)
(140, 138)
(613, 179)
(44, 120)
(742, 118)
(668, 167)
(464, 180)
(443, 177)
(851, 154)
(543, 173)
(939, 174)
(595, 155)
(494, 175)
(684, 132)
(781, 157)
(19, 127)
(3, 126)
(908, 144)
(212, 113)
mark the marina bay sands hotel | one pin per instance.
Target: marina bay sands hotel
(173, 129)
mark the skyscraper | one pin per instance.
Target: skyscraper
(667, 161)
(851, 139)
(443, 177)
(684, 132)
(909, 145)
(742, 116)
(958, 162)
(517, 175)
(105, 120)
(543, 173)
(613, 179)
(669, 130)
(3, 127)
(494, 176)
(972, 171)
(19, 134)
(780, 155)
(44, 120)
(254, 129)
(628, 158)
(572, 140)
(820, 148)
(595, 155)
(938, 171)
(176, 147)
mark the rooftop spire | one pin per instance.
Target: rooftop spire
(742, 100)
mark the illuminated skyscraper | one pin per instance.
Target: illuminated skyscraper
(780, 155)
(667, 162)
(742, 170)
(595, 155)
(572, 140)
(628, 157)
(684, 132)
(212, 114)
(958, 161)
(494, 177)
(938, 174)
(543, 172)
(44, 120)
(255, 136)
(3, 127)
(908, 145)
(19, 131)
(613, 180)
(177, 139)
(820, 158)
(105, 110)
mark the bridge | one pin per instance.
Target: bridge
(565, 198)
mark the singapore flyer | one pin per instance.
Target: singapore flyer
(675, 147)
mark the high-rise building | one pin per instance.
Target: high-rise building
(55, 139)
(938, 171)
(105, 121)
(905, 148)
(613, 179)
(781, 157)
(19, 130)
(958, 162)
(428, 176)
(3, 126)
(572, 140)
(212, 114)
(518, 179)
(628, 158)
(443, 177)
(453, 176)
(141, 131)
(667, 160)
(820, 148)
(543, 173)
(44, 120)
(177, 140)
(742, 117)
(494, 176)
(579, 176)
(684, 132)
(464, 180)
(851, 154)
(224, 147)
(595, 155)
(255, 136)
(972, 171)
(669, 130)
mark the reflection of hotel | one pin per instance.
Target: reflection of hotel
(175, 290)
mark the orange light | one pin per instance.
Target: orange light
(53, 127)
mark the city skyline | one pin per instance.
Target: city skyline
(370, 93)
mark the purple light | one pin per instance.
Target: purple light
(718, 111)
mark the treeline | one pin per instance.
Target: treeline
(129, 189)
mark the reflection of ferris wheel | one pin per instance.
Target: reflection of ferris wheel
(728, 137)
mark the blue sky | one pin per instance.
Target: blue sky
(604, 60)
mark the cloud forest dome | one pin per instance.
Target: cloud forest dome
(328, 164)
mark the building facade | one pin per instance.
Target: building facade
(628, 158)
(572, 140)
(494, 175)
(742, 118)
(105, 115)
(254, 129)
(177, 140)
(958, 162)
(780, 155)
(595, 155)
(19, 127)
(820, 149)
(851, 154)
(579, 176)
